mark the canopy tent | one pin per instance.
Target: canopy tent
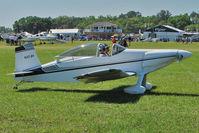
(65, 31)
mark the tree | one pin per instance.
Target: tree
(133, 14)
(164, 15)
(130, 22)
(3, 29)
(130, 14)
(150, 21)
(122, 16)
(32, 24)
(192, 27)
(194, 15)
(179, 21)
(194, 18)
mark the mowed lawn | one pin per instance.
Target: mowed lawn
(171, 106)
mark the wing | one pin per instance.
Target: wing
(104, 75)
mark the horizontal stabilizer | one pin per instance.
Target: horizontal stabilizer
(104, 75)
(20, 73)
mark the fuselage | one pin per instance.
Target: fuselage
(129, 60)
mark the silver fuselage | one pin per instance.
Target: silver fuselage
(130, 60)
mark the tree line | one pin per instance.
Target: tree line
(3, 29)
(129, 22)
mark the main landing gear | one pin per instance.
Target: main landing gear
(140, 87)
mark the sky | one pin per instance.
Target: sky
(12, 10)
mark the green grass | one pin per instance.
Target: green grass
(171, 106)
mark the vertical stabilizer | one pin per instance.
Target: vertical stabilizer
(26, 58)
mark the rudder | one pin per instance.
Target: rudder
(26, 58)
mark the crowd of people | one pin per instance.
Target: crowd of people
(12, 39)
(125, 41)
(122, 41)
(184, 39)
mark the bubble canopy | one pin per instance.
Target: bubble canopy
(89, 49)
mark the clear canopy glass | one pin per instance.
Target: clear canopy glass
(116, 49)
(82, 50)
(90, 49)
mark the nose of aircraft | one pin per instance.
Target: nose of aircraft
(184, 54)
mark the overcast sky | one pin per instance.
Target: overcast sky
(12, 10)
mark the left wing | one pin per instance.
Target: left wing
(104, 75)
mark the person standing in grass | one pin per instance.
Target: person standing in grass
(129, 39)
(190, 39)
(183, 39)
(16, 40)
(113, 40)
(187, 40)
(124, 43)
(72, 39)
(11, 40)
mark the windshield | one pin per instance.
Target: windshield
(116, 48)
(82, 50)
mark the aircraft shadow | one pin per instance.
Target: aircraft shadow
(115, 95)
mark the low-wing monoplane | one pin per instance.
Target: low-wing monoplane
(49, 37)
(154, 40)
(27, 37)
(83, 63)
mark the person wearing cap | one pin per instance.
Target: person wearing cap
(124, 43)
(113, 40)
(104, 49)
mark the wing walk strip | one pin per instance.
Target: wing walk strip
(40, 71)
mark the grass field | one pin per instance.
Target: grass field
(171, 106)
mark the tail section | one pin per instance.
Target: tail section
(26, 58)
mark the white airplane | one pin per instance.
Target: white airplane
(5, 36)
(154, 40)
(27, 37)
(49, 37)
(83, 63)
(60, 40)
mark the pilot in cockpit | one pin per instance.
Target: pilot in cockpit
(104, 49)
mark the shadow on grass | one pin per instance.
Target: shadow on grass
(170, 94)
(115, 95)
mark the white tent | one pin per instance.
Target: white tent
(66, 31)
